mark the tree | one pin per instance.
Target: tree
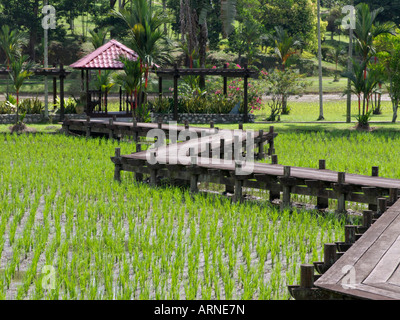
(99, 37)
(297, 17)
(363, 84)
(19, 72)
(245, 39)
(280, 85)
(194, 27)
(11, 43)
(146, 36)
(104, 83)
(285, 46)
(367, 29)
(389, 65)
(391, 9)
(130, 80)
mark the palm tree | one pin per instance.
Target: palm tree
(19, 72)
(147, 38)
(335, 54)
(130, 80)
(367, 30)
(99, 37)
(285, 46)
(105, 83)
(11, 43)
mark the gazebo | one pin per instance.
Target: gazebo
(104, 58)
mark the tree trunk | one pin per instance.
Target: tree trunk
(395, 107)
(203, 38)
(33, 33)
(321, 104)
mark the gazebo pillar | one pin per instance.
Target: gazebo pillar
(160, 87)
(62, 107)
(225, 82)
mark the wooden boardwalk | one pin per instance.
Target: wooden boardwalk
(369, 269)
(364, 265)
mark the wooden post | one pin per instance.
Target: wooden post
(225, 82)
(120, 99)
(245, 97)
(82, 80)
(350, 234)
(322, 164)
(160, 87)
(222, 148)
(382, 205)
(193, 177)
(274, 195)
(341, 205)
(393, 196)
(261, 145)
(330, 255)
(367, 218)
(209, 150)
(55, 88)
(271, 143)
(286, 189)
(88, 130)
(374, 173)
(118, 167)
(306, 276)
(322, 203)
(186, 125)
(240, 126)
(87, 93)
(211, 124)
(238, 196)
(111, 130)
(153, 171)
(62, 107)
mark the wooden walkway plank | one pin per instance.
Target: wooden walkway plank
(375, 258)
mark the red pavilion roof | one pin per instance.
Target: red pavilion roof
(106, 57)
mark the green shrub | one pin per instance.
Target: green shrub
(69, 106)
(31, 106)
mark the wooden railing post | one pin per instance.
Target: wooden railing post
(341, 195)
(322, 203)
(286, 188)
(118, 165)
(271, 149)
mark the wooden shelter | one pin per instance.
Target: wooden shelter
(226, 73)
(54, 73)
(104, 58)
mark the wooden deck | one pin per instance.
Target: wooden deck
(370, 268)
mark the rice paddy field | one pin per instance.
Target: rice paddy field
(68, 231)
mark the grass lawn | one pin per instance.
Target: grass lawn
(302, 111)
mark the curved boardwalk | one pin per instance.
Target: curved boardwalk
(364, 266)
